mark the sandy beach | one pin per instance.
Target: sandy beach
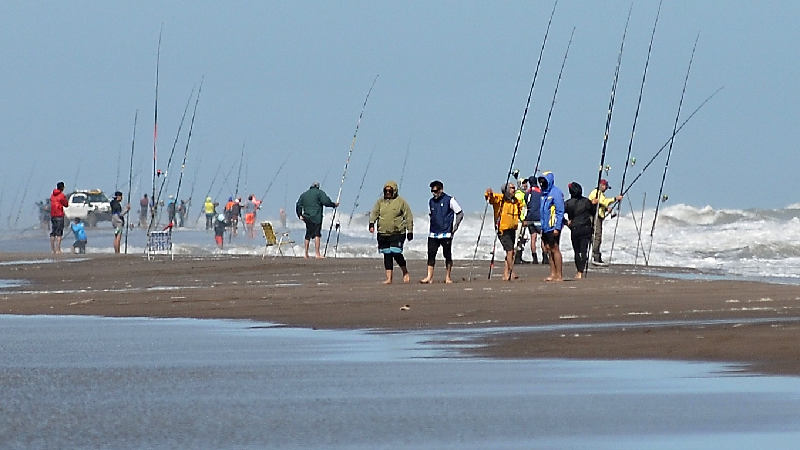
(613, 314)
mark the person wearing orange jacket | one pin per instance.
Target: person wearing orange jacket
(507, 211)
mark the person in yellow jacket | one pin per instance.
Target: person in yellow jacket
(603, 203)
(507, 212)
(522, 188)
(210, 209)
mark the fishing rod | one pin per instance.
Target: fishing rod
(165, 172)
(24, 195)
(360, 187)
(597, 217)
(130, 174)
(661, 197)
(188, 139)
(516, 147)
(235, 194)
(553, 103)
(194, 184)
(668, 141)
(116, 180)
(633, 128)
(346, 164)
(275, 177)
(155, 134)
(405, 160)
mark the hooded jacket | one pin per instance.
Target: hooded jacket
(508, 211)
(57, 203)
(208, 206)
(580, 211)
(309, 205)
(392, 215)
(552, 205)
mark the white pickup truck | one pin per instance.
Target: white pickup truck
(91, 206)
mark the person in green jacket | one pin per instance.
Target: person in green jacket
(309, 210)
(395, 224)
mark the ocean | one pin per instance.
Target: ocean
(750, 244)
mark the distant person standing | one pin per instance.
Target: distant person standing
(507, 211)
(144, 204)
(250, 208)
(533, 220)
(445, 217)
(210, 208)
(219, 230)
(118, 219)
(603, 203)
(580, 212)
(181, 214)
(309, 209)
(235, 214)
(58, 201)
(395, 224)
(552, 215)
(79, 246)
(171, 210)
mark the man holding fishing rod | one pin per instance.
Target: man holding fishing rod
(507, 211)
(309, 209)
(604, 205)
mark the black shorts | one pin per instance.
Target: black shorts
(551, 238)
(535, 227)
(508, 239)
(57, 226)
(391, 243)
(313, 230)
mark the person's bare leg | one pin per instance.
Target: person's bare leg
(548, 251)
(557, 264)
(307, 243)
(117, 240)
(429, 278)
(406, 275)
(58, 245)
(317, 255)
(448, 271)
(53, 244)
(579, 275)
(388, 277)
(509, 267)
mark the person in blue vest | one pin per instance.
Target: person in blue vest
(445, 217)
(533, 217)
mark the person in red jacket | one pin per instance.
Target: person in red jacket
(57, 203)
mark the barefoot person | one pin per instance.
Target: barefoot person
(579, 211)
(118, 219)
(507, 211)
(309, 209)
(446, 215)
(552, 214)
(58, 201)
(395, 223)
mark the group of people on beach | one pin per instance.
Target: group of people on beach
(58, 201)
(535, 206)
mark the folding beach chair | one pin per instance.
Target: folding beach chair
(271, 240)
(159, 242)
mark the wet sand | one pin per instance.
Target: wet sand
(654, 317)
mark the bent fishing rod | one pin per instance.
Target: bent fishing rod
(633, 128)
(346, 164)
(130, 174)
(188, 140)
(155, 134)
(605, 137)
(360, 187)
(514, 155)
(669, 152)
(668, 141)
(275, 177)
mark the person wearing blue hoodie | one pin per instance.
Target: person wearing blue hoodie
(552, 215)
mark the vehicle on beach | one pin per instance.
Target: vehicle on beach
(91, 206)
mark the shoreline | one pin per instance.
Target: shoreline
(655, 317)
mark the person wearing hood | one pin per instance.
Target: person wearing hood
(507, 211)
(395, 223)
(580, 212)
(219, 229)
(210, 208)
(144, 204)
(533, 220)
(603, 204)
(445, 216)
(58, 201)
(309, 209)
(552, 215)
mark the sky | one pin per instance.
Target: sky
(288, 80)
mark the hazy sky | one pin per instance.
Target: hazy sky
(289, 78)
